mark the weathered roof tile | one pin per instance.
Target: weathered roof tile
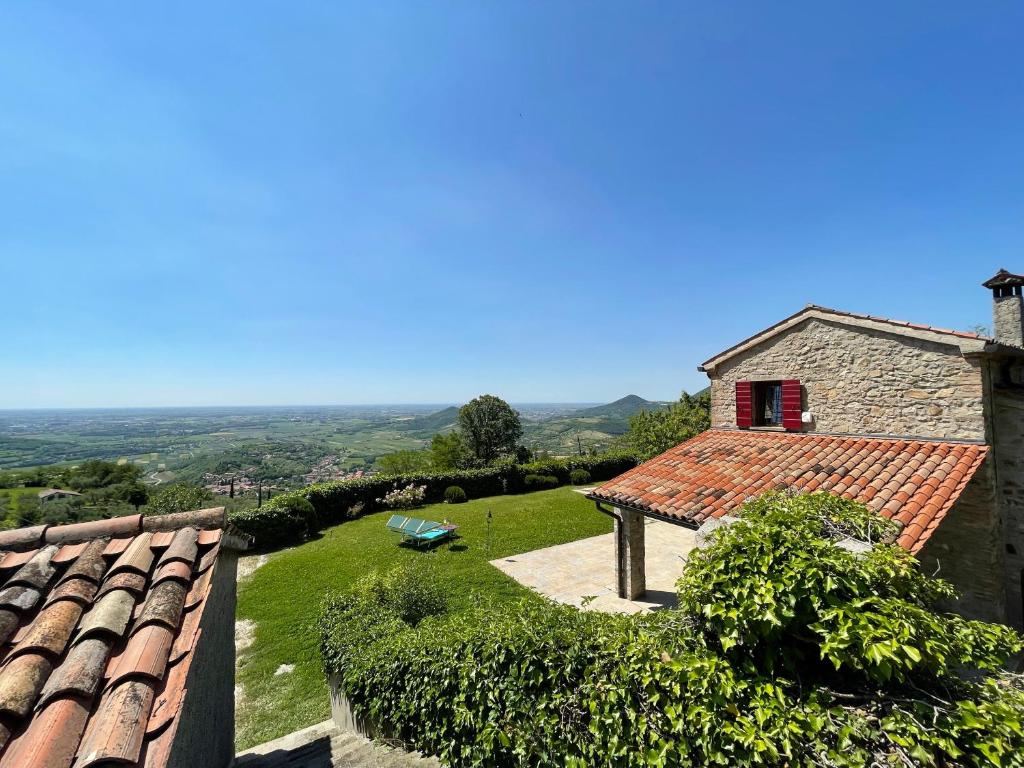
(110, 615)
(52, 628)
(115, 732)
(127, 525)
(82, 670)
(21, 680)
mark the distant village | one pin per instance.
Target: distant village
(247, 480)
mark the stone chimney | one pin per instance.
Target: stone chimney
(1007, 307)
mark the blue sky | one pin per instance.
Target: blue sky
(224, 203)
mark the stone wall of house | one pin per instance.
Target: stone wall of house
(1008, 449)
(206, 725)
(967, 549)
(863, 381)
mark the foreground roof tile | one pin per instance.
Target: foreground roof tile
(915, 482)
(97, 636)
(52, 739)
(116, 730)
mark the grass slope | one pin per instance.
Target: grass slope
(284, 596)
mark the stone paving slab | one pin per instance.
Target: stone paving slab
(569, 573)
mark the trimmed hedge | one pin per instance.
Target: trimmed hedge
(285, 519)
(340, 500)
(539, 482)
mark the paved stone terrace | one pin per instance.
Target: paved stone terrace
(569, 573)
(326, 746)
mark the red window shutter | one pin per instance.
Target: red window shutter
(792, 405)
(744, 404)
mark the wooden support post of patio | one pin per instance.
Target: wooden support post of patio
(630, 554)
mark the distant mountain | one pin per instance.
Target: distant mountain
(432, 423)
(622, 408)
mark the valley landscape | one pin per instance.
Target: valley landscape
(279, 446)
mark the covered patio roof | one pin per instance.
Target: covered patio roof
(914, 482)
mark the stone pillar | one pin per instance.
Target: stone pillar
(630, 554)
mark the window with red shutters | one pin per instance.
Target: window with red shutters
(792, 405)
(744, 404)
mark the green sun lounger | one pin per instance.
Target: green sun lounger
(419, 531)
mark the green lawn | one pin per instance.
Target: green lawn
(283, 597)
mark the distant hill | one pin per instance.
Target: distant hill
(432, 423)
(622, 408)
(597, 426)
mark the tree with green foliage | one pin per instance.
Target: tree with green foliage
(449, 451)
(490, 427)
(135, 494)
(180, 497)
(803, 637)
(654, 432)
(404, 462)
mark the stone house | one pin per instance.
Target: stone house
(922, 424)
(117, 642)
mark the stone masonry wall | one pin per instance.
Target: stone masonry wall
(966, 550)
(1008, 444)
(862, 381)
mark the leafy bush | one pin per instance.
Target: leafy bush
(180, 497)
(786, 649)
(579, 477)
(285, 519)
(408, 497)
(453, 494)
(538, 482)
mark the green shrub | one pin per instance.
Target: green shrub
(453, 494)
(579, 477)
(539, 482)
(285, 519)
(786, 650)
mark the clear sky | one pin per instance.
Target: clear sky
(255, 203)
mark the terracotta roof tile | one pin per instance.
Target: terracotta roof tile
(200, 518)
(183, 547)
(52, 628)
(52, 739)
(163, 605)
(145, 654)
(21, 680)
(109, 615)
(127, 580)
(117, 728)
(82, 670)
(20, 538)
(90, 563)
(16, 559)
(913, 481)
(78, 677)
(128, 525)
(137, 556)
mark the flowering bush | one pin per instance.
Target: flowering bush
(404, 498)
